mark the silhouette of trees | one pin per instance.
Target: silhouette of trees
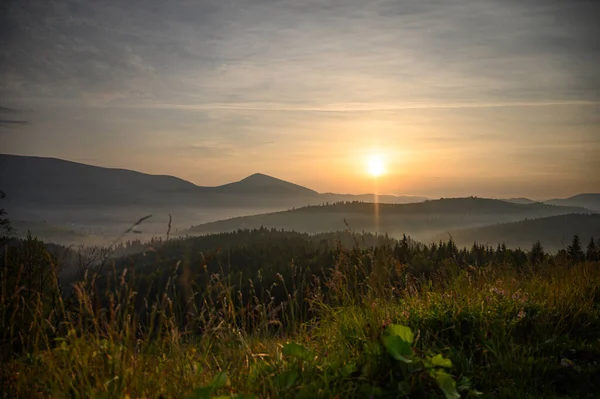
(592, 253)
(574, 251)
(5, 226)
(537, 255)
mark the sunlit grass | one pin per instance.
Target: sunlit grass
(511, 333)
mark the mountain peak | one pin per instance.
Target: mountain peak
(260, 177)
(260, 183)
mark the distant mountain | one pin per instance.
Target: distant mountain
(383, 199)
(553, 232)
(103, 199)
(419, 220)
(259, 184)
(519, 200)
(36, 180)
(590, 201)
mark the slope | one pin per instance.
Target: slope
(420, 220)
(554, 232)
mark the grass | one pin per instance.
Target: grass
(491, 332)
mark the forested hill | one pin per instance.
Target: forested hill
(553, 232)
(589, 200)
(421, 220)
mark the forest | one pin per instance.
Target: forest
(268, 313)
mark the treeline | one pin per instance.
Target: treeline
(272, 275)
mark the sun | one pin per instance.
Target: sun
(375, 166)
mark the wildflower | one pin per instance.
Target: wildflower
(521, 314)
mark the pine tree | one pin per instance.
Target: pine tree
(574, 251)
(5, 227)
(537, 255)
(592, 251)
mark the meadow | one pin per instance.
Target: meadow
(347, 317)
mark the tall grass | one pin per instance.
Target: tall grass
(508, 333)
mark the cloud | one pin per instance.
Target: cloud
(302, 53)
(11, 122)
(210, 78)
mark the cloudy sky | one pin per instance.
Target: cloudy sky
(459, 97)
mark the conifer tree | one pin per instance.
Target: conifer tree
(537, 255)
(592, 251)
(5, 227)
(574, 251)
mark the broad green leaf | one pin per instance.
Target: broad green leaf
(219, 380)
(401, 331)
(441, 361)
(465, 385)
(287, 379)
(398, 348)
(298, 351)
(447, 384)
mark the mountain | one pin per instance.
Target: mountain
(590, 201)
(383, 199)
(106, 201)
(553, 232)
(519, 200)
(419, 220)
(259, 184)
(36, 180)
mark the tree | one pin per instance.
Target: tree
(574, 251)
(592, 254)
(30, 293)
(5, 227)
(537, 255)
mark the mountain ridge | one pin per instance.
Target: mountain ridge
(36, 170)
(416, 219)
(554, 232)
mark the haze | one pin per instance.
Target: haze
(488, 98)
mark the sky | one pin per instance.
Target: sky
(456, 97)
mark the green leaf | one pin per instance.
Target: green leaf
(398, 348)
(401, 331)
(238, 396)
(441, 361)
(287, 379)
(447, 384)
(298, 351)
(219, 381)
(404, 388)
(201, 393)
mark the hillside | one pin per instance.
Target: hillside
(554, 232)
(36, 180)
(420, 220)
(590, 201)
(520, 200)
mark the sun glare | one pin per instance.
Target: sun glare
(375, 166)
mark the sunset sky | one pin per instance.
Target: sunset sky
(456, 97)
